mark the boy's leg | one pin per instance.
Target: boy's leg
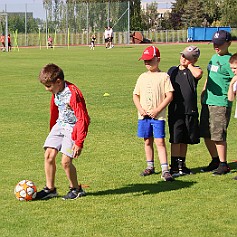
(183, 169)
(162, 153)
(205, 133)
(49, 191)
(211, 147)
(70, 171)
(149, 153)
(161, 148)
(50, 167)
(223, 167)
(75, 189)
(175, 154)
(221, 148)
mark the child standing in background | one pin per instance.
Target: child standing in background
(233, 83)
(152, 93)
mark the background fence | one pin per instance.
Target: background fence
(73, 24)
(162, 36)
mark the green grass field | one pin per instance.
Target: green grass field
(119, 201)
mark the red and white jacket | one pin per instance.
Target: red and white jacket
(78, 105)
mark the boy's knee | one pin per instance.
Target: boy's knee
(66, 163)
(50, 155)
(160, 142)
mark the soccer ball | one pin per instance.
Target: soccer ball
(25, 190)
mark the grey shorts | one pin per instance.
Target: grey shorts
(214, 122)
(60, 139)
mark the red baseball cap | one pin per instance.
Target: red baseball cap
(149, 53)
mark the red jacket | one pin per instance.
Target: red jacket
(78, 105)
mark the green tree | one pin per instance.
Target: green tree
(135, 15)
(176, 13)
(228, 9)
(192, 14)
(153, 15)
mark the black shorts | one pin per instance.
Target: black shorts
(184, 129)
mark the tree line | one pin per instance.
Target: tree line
(95, 15)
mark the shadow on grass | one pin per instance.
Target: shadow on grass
(144, 189)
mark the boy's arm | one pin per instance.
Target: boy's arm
(196, 71)
(136, 100)
(203, 90)
(231, 91)
(168, 98)
(53, 113)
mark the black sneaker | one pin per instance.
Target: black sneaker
(211, 167)
(166, 176)
(185, 171)
(46, 193)
(174, 172)
(74, 193)
(148, 171)
(222, 169)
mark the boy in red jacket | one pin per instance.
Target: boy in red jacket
(69, 121)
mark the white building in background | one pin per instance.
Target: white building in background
(163, 6)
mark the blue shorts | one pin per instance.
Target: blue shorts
(151, 128)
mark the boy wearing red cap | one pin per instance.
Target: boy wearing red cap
(152, 93)
(183, 111)
(216, 108)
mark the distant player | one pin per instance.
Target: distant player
(93, 39)
(50, 41)
(9, 42)
(3, 41)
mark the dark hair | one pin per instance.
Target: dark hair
(50, 73)
(233, 58)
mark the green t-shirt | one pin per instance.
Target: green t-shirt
(219, 77)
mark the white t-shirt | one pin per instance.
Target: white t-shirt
(66, 117)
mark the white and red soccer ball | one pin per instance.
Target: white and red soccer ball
(25, 190)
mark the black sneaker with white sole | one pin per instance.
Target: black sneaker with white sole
(74, 193)
(46, 193)
(211, 167)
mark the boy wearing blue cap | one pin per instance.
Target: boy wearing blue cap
(216, 108)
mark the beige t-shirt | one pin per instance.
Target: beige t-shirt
(151, 87)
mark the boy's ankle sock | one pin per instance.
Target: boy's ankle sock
(223, 163)
(150, 164)
(216, 159)
(174, 162)
(164, 167)
(182, 162)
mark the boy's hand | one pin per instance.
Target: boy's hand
(234, 79)
(143, 112)
(76, 151)
(152, 113)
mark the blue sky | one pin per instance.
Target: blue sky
(36, 6)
